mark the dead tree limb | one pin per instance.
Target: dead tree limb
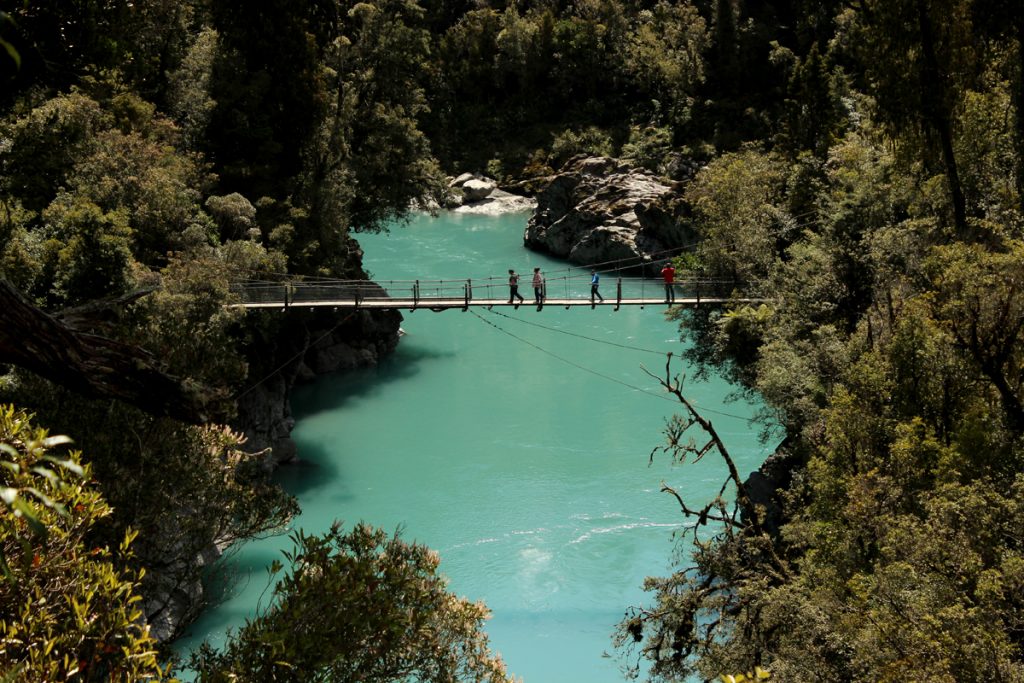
(753, 516)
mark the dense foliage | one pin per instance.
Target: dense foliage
(882, 222)
(858, 165)
(66, 610)
(391, 619)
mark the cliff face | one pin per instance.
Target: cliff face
(301, 347)
(284, 348)
(310, 345)
(598, 209)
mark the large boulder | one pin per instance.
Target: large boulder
(470, 187)
(476, 189)
(598, 209)
(477, 194)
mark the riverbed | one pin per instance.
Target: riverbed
(513, 442)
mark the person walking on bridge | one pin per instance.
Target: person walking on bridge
(668, 273)
(513, 286)
(538, 287)
(595, 280)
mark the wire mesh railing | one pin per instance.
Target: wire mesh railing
(491, 289)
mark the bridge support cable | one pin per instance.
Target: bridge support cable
(572, 363)
(609, 378)
(524, 321)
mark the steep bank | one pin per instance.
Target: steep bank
(310, 344)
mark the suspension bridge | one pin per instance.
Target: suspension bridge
(440, 295)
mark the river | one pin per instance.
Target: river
(515, 443)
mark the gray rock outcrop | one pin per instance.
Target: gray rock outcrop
(468, 188)
(477, 194)
(474, 190)
(598, 209)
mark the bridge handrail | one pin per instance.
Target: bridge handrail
(290, 292)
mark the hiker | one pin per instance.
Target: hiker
(513, 286)
(538, 287)
(668, 273)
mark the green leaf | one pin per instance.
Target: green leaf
(69, 465)
(47, 501)
(8, 495)
(12, 676)
(5, 568)
(12, 52)
(57, 440)
(25, 509)
(48, 474)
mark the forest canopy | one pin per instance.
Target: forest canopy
(859, 166)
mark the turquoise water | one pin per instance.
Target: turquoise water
(512, 444)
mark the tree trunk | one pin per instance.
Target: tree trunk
(933, 92)
(93, 365)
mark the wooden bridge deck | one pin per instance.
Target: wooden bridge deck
(442, 304)
(441, 295)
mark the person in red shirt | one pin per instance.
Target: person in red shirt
(668, 273)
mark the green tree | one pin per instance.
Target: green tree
(734, 201)
(66, 610)
(358, 606)
(268, 88)
(87, 253)
(977, 298)
(919, 57)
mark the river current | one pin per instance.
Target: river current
(515, 443)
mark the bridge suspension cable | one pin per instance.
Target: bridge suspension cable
(580, 336)
(591, 371)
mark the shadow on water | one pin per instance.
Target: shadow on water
(225, 578)
(329, 393)
(314, 470)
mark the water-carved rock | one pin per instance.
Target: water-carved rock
(598, 209)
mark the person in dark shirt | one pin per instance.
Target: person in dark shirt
(513, 286)
(595, 279)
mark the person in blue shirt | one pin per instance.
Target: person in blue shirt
(594, 280)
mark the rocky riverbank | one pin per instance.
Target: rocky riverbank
(313, 344)
(599, 209)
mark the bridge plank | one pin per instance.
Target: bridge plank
(448, 303)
